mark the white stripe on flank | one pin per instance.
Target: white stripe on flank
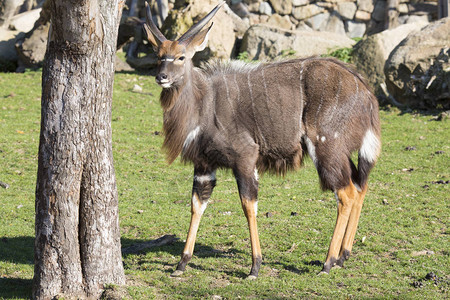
(256, 174)
(370, 147)
(191, 137)
(311, 150)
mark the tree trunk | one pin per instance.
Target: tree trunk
(77, 246)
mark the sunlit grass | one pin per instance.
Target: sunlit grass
(406, 211)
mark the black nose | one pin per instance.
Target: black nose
(161, 76)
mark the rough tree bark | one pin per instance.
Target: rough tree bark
(77, 246)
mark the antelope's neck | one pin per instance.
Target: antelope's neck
(182, 109)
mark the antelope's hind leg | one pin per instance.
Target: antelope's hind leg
(248, 191)
(350, 200)
(347, 242)
(203, 186)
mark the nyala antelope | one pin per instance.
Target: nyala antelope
(265, 117)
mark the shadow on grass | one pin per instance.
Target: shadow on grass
(176, 247)
(11, 288)
(17, 249)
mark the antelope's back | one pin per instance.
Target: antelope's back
(280, 103)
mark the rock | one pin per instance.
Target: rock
(265, 9)
(347, 10)
(279, 21)
(31, 49)
(407, 19)
(421, 253)
(371, 53)
(147, 62)
(240, 26)
(24, 22)
(318, 22)
(417, 71)
(240, 9)
(299, 2)
(335, 24)
(362, 16)
(283, 7)
(221, 46)
(8, 52)
(7, 10)
(266, 42)
(355, 29)
(307, 11)
(122, 66)
(379, 11)
(365, 5)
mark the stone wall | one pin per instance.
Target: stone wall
(353, 18)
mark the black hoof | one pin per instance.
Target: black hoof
(345, 255)
(328, 265)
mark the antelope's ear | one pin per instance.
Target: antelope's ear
(198, 41)
(151, 38)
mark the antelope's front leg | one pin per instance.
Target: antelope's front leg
(203, 186)
(248, 191)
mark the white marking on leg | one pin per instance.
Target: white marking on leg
(323, 138)
(191, 137)
(198, 206)
(205, 178)
(311, 150)
(255, 207)
(370, 147)
(337, 198)
(358, 188)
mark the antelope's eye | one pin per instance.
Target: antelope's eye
(181, 58)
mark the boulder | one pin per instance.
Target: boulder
(24, 22)
(318, 22)
(8, 54)
(222, 36)
(282, 7)
(122, 66)
(365, 5)
(263, 42)
(279, 21)
(145, 63)
(7, 41)
(307, 11)
(299, 2)
(379, 11)
(265, 9)
(413, 61)
(371, 53)
(347, 10)
(335, 24)
(355, 29)
(31, 49)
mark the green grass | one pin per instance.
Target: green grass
(400, 217)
